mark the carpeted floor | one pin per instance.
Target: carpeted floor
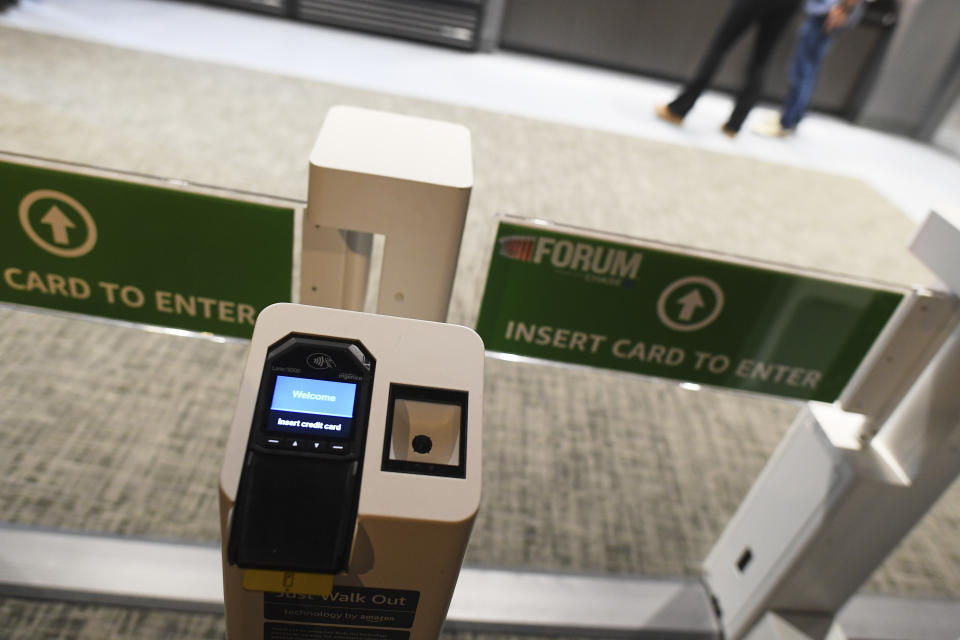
(114, 429)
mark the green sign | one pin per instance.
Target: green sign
(120, 249)
(658, 311)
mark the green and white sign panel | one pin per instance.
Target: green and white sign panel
(126, 250)
(649, 309)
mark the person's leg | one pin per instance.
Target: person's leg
(811, 49)
(737, 20)
(797, 63)
(771, 26)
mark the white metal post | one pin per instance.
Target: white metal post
(850, 480)
(406, 178)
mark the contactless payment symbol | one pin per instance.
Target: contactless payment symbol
(321, 361)
(690, 303)
(57, 223)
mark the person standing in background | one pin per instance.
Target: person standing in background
(771, 17)
(825, 19)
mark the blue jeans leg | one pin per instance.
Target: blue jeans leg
(804, 68)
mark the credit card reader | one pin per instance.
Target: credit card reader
(297, 501)
(351, 476)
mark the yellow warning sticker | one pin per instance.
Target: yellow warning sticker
(311, 584)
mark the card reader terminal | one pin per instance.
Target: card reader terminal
(297, 500)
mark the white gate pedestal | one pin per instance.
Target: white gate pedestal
(406, 178)
(843, 489)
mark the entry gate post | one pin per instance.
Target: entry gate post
(851, 479)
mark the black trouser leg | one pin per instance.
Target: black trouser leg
(738, 19)
(771, 27)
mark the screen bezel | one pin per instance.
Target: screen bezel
(287, 357)
(312, 434)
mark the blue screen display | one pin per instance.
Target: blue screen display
(305, 406)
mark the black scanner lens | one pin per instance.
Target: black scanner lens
(422, 444)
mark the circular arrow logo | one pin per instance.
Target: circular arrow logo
(690, 303)
(57, 223)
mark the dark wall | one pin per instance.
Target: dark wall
(665, 38)
(920, 78)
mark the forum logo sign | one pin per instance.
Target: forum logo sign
(600, 263)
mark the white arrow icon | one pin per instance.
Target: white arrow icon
(690, 303)
(59, 223)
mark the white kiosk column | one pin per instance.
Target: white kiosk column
(404, 177)
(843, 488)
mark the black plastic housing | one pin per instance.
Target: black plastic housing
(296, 505)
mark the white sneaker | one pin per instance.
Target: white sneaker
(772, 129)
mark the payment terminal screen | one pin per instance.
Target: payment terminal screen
(319, 408)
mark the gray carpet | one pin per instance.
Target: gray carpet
(583, 471)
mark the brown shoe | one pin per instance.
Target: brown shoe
(663, 112)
